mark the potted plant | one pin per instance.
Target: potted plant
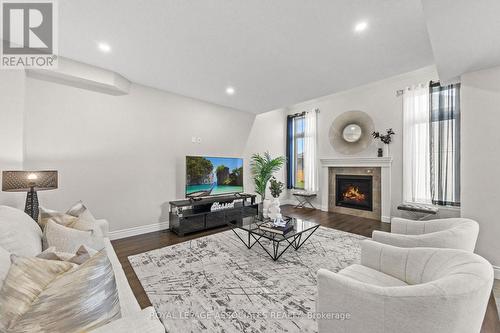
(386, 139)
(263, 168)
(276, 187)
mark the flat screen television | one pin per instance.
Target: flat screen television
(213, 175)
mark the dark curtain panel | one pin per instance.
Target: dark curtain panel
(289, 152)
(445, 144)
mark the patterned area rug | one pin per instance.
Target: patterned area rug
(215, 283)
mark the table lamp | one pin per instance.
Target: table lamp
(31, 182)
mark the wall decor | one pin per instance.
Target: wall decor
(350, 132)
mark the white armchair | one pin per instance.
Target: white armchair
(454, 233)
(406, 290)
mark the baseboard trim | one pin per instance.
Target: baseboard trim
(134, 231)
(496, 269)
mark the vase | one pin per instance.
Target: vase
(265, 207)
(387, 151)
(274, 210)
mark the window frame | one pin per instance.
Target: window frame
(435, 118)
(435, 157)
(292, 154)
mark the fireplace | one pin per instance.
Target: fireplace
(354, 191)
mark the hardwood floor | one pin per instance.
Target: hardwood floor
(143, 243)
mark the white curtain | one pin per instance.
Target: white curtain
(310, 151)
(416, 146)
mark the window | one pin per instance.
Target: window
(445, 144)
(431, 144)
(295, 151)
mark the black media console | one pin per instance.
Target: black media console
(192, 215)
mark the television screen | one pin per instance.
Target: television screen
(213, 175)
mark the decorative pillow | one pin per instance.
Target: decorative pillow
(77, 217)
(26, 279)
(86, 221)
(81, 211)
(19, 234)
(83, 254)
(69, 240)
(50, 254)
(78, 301)
(45, 215)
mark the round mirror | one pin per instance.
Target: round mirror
(352, 133)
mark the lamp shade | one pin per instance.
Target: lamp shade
(23, 181)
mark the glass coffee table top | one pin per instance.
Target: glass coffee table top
(294, 238)
(251, 224)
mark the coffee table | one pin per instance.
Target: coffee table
(295, 238)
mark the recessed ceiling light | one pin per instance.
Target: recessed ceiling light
(360, 26)
(104, 47)
(230, 91)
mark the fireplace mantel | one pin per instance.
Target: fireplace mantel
(384, 163)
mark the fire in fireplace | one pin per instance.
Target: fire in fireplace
(354, 191)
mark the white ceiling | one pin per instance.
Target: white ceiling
(275, 53)
(465, 35)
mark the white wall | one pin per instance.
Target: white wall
(268, 134)
(124, 156)
(480, 102)
(379, 100)
(12, 89)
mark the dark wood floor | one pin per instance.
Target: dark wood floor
(143, 243)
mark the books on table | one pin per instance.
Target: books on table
(268, 226)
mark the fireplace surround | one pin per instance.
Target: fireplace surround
(378, 167)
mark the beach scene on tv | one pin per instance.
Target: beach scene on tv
(213, 175)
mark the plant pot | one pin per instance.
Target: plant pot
(265, 207)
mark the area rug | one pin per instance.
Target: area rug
(216, 284)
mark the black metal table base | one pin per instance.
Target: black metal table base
(294, 241)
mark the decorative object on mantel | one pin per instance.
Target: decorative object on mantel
(349, 132)
(274, 211)
(386, 140)
(263, 168)
(31, 182)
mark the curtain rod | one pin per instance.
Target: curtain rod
(400, 92)
(298, 114)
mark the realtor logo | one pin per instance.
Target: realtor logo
(28, 34)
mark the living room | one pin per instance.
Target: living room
(144, 156)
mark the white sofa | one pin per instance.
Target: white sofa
(394, 290)
(453, 233)
(20, 235)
